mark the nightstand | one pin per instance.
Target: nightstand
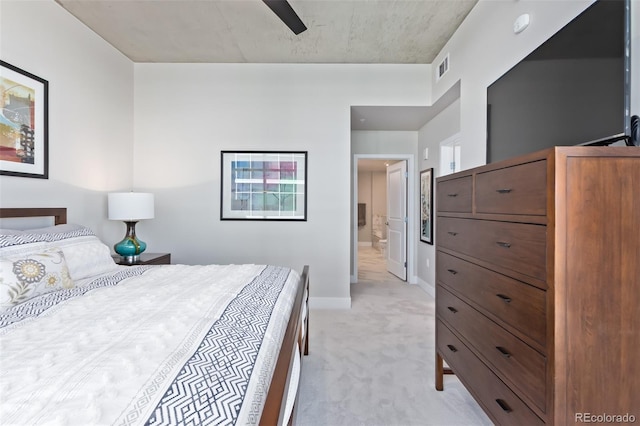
(145, 259)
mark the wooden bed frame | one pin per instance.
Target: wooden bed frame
(296, 336)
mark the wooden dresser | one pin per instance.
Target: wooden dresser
(538, 285)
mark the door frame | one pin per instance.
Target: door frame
(412, 224)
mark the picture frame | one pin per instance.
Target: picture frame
(426, 206)
(24, 121)
(263, 185)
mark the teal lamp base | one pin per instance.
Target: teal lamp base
(130, 247)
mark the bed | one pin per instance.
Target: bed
(85, 341)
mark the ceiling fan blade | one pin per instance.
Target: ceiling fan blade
(285, 12)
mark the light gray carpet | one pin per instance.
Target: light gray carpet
(374, 364)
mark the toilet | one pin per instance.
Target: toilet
(382, 246)
(379, 231)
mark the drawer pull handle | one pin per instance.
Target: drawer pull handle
(452, 348)
(503, 244)
(452, 271)
(452, 309)
(503, 191)
(505, 299)
(504, 406)
(452, 195)
(505, 353)
(452, 233)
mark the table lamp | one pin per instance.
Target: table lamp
(130, 207)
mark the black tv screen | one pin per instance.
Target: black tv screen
(572, 90)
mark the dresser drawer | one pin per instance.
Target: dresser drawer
(519, 305)
(502, 405)
(517, 246)
(454, 195)
(519, 189)
(517, 361)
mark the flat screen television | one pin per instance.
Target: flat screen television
(572, 90)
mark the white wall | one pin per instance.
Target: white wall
(365, 195)
(440, 128)
(365, 189)
(379, 199)
(186, 113)
(90, 112)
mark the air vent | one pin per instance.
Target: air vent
(443, 67)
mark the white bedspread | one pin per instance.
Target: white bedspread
(112, 355)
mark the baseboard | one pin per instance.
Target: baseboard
(428, 288)
(329, 303)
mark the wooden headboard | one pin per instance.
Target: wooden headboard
(59, 214)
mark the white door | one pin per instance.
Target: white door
(397, 219)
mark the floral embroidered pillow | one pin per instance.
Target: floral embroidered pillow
(30, 275)
(85, 254)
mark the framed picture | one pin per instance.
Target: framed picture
(24, 131)
(263, 185)
(426, 206)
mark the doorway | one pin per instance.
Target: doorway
(375, 225)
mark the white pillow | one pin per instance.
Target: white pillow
(55, 229)
(27, 276)
(85, 254)
(87, 257)
(41, 235)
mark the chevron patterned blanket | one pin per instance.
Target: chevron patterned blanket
(163, 345)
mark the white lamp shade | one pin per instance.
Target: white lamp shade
(130, 206)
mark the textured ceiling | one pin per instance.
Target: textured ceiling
(247, 31)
